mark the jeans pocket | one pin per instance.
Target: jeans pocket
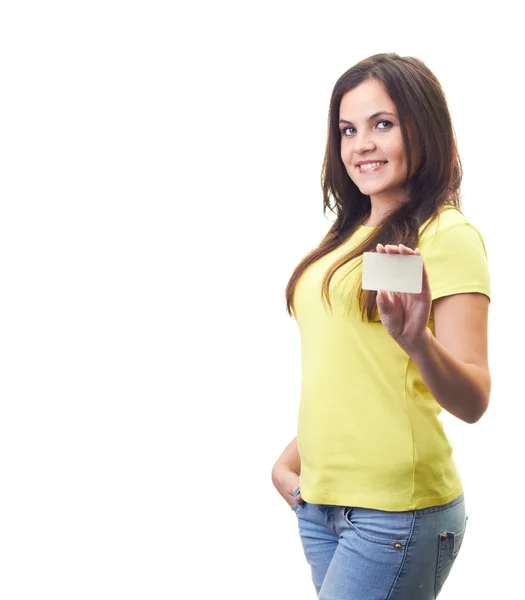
(380, 527)
(449, 546)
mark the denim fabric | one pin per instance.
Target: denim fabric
(361, 553)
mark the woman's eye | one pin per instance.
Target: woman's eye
(343, 131)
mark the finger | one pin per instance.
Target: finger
(417, 251)
(383, 298)
(426, 280)
(393, 249)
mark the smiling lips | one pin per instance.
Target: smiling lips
(371, 167)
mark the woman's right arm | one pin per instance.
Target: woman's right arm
(290, 458)
(286, 471)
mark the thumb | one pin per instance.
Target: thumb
(383, 299)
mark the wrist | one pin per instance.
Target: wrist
(415, 347)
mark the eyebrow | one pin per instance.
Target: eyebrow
(371, 117)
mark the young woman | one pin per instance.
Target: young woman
(370, 476)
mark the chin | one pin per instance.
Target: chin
(371, 190)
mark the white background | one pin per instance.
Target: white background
(159, 181)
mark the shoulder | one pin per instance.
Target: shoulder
(450, 230)
(449, 218)
(454, 255)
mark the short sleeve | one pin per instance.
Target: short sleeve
(456, 262)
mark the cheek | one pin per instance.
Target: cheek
(346, 154)
(397, 158)
(396, 153)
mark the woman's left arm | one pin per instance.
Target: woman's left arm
(454, 364)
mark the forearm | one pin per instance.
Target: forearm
(460, 388)
(290, 457)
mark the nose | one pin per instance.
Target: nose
(363, 143)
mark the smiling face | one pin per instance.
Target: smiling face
(369, 134)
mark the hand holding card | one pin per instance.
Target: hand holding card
(398, 272)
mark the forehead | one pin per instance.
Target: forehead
(364, 100)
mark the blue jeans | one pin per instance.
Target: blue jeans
(361, 553)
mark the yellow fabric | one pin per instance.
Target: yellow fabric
(369, 434)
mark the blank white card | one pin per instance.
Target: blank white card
(393, 272)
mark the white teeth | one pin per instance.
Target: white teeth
(371, 165)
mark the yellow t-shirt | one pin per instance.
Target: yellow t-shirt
(368, 428)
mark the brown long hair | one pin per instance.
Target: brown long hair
(420, 102)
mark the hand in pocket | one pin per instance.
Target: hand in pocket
(286, 482)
